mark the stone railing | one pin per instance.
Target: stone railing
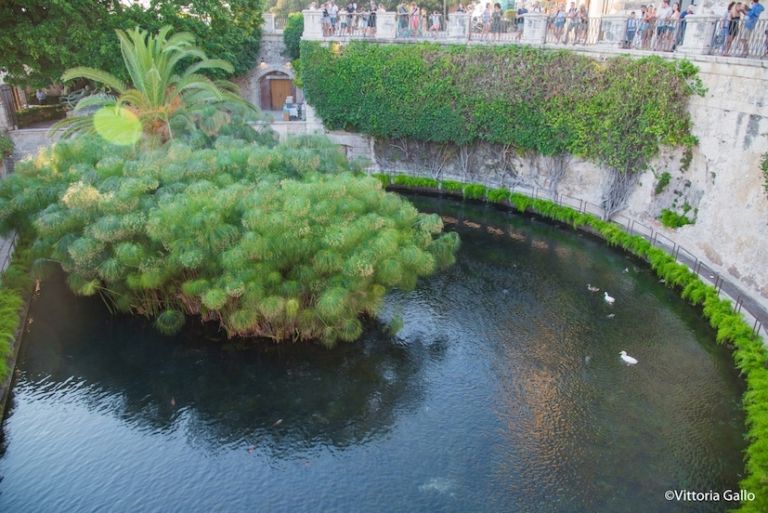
(273, 24)
(695, 36)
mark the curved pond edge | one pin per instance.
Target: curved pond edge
(748, 349)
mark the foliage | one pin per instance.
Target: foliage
(286, 7)
(14, 284)
(672, 219)
(749, 352)
(27, 117)
(41, 39)
(764, 169)
(283, 242)
(616, 112)
(6, 145)
(662, 183)
(294, 28)
(157, 93)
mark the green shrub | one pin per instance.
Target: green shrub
(39, 114)
(294, 28)
(283, 242)
(6, 146)
(662, 183)
(764, 169)
(15, 283)
(616, 112)
(672, 219)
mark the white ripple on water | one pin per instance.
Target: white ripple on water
(441, 485)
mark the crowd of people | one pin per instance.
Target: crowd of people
(659, 28)
(571, 25)
(738, 25)
(415, 21)
(353, 19)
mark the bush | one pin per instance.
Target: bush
(14, 284)
(283, 242)
(616, 112)
(32, 115)
(6, 146)
(294, 28)
(662, 183)
(672, 219)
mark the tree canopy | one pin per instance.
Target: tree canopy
(43, 38)
(158, 93)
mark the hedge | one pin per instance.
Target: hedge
(749, 352)
(39, 114)
(616, 113)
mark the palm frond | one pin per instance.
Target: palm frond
(97, 75)
(209, 64)
(72, 126)
(96, 100)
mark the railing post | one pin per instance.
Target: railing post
(313, 24)
(534, 28)
(386, 25)
(699, 35)
(458, 26)
(269, 22)
(613, 31)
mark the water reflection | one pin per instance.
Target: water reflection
(503, 392)
(285, 396)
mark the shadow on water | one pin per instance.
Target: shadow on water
(502, 392)
(293, 395)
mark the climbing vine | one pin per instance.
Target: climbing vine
(616, 113)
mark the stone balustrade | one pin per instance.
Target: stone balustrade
(696, 36)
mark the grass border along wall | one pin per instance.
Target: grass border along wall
(748, 350)
(15, 287)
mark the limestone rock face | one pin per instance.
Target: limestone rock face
(719, 184)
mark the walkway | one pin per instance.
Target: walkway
(699, 38)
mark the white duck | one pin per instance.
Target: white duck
(608, 299)
(627, 359)
(592, 288)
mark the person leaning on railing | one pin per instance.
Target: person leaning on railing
(752, 15)
(521, 12)
(573, 21)
(632, 25)
(663, 20)
(735, 10)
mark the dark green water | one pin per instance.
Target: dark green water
(503, 392)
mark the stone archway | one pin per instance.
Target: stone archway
(270, 84)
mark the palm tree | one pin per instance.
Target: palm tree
(157, 93)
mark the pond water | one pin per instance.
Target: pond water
(502, 392)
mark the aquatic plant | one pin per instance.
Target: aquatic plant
(284, 242)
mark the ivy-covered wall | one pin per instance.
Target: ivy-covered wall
(616, 112)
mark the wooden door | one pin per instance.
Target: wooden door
(279, 90)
